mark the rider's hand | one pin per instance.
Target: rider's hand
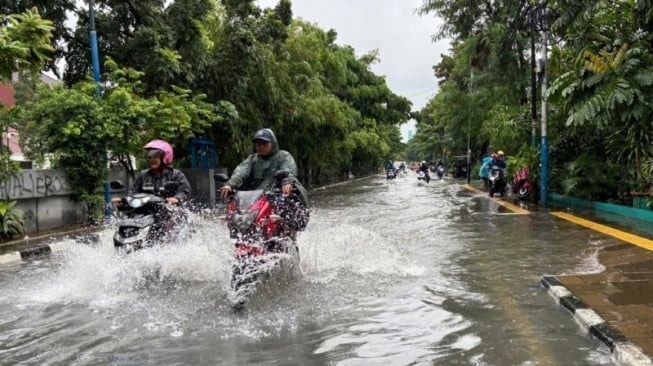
(224, 191)
(286, 189)
(172, 200)
(116, 200)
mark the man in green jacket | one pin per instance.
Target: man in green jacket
(257, 172)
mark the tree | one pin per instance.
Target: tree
(80, 129)
(25, 43)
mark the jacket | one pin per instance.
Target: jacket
(169, 175)
(257, 172)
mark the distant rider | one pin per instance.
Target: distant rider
(257, 172)
(160, 154)
(499, 160)
(424, 167)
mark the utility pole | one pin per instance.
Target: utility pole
(95, 59)
(545, 139)
(533, 80)
(469, 129)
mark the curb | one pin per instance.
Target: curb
(623, 351)
(39, 250)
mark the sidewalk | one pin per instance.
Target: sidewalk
(622, 294)
(616, 305)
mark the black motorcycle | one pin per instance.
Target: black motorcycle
(440, 171)
(496, 181)
(146, 218)
(391, 173)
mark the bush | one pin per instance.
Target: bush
(11, 220)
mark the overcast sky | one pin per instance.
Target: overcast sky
(402, 37)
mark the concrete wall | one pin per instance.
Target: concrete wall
(44, 195)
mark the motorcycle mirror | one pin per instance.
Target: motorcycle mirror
(116, 184)
(280, 174)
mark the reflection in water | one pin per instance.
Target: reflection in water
(392, 273)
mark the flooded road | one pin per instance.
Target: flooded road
(395, 273)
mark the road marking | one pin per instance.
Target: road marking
(630, 238)
(514, 208)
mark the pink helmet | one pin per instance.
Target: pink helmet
(163, 146)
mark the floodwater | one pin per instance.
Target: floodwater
(393, 273)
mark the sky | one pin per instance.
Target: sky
(403, 38)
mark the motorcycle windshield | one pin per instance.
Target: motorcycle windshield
(246, 199)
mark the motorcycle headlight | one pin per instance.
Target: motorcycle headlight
(243, 221)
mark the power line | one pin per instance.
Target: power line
(422, 92)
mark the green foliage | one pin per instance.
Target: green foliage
(601, 76)
(25, 43)
(79, 128)
(11, 220)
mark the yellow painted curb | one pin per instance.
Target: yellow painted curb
(508, 205)
(621, 235)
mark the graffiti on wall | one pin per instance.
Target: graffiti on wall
(34, 184)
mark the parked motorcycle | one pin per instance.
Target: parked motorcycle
(264, 228)
(521, 183)
(496, 181)
(146, 219)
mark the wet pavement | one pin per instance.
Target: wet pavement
(623, 293)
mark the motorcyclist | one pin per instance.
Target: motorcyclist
(402, 167)
(160, 155)
(484, 171)
(499, 160)
(424, 167)
(257, 172)
(389, 165)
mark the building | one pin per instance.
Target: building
(11, 136)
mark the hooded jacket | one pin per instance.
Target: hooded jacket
(257, 172)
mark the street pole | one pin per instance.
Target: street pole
(545, 138)
(95, 59)
(469, 130)
(533, 83)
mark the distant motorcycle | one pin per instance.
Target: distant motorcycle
(422, 175)
(496, 181)
(521, 183)
(146, 218)
(391, 173)
(440, 171)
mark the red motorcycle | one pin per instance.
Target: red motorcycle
(521, 183)
(263, 226)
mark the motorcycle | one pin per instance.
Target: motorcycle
(263, 226)
(440, 171)
(496, 181)
(422, 175)
(391, 173)
(146, 219)
(521, 183)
